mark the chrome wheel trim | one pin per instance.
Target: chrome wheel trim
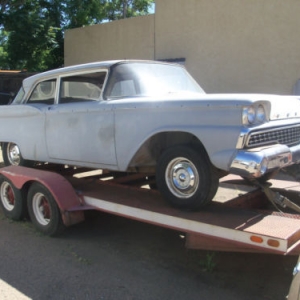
(7, 196)
(41, 209)
(182, 177)
(13, 154)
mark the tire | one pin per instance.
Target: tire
(12, 156)
(11, 200)
(185, 178)
(43, 210)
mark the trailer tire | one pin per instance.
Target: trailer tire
(185, 177)
(11, 200)
(43, 210)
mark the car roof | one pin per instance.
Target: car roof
(29, 81)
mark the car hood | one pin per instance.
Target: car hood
(280, 107)
(285, 107)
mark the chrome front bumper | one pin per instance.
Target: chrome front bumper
(254, 163)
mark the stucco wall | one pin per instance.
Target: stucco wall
(124, 39)
(233, 45)
(229, 45)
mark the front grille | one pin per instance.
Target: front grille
(286, 136)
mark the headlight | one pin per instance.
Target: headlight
(251, 115)
(260, 114)
(254, 114)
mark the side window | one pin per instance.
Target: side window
(81, 87)
(44, 92)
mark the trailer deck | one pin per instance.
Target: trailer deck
(244, 223)
(239, 219)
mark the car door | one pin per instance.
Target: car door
(80, 127)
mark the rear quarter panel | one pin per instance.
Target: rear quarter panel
(24, 125)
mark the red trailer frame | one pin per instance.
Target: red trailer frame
(244, 223)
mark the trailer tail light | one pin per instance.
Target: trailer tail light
(259, 240)
(273, 243)
(256, 239)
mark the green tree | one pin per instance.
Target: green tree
(32, 36)
(35, 28)
(3, 54)
(121, 9)
(83, 12)
(54, 13)
(5, 6)
(87, 12)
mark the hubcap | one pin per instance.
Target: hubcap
(41, 209)
(7, 196)
(13, 154)
(182, 177)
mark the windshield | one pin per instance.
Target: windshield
(148, 79)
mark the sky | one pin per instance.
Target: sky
(152, 9)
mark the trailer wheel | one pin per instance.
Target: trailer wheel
(185, 177)
(12, 156)
(43, 210)
(11, 200)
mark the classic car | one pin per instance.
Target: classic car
(153, 118)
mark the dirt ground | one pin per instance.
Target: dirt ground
(111, 258)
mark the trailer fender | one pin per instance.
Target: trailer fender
(69, 203)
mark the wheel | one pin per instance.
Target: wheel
(185, 177)
(11, 200)
(12, 156)
(43, 210)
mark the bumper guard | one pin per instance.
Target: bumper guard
(254, 163)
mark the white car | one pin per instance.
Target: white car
(150, 117)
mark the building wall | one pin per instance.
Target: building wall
(250, 46)
(124, 39)
(233, 45)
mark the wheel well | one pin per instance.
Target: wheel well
(150, 151)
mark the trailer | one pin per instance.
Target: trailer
(240, 219)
